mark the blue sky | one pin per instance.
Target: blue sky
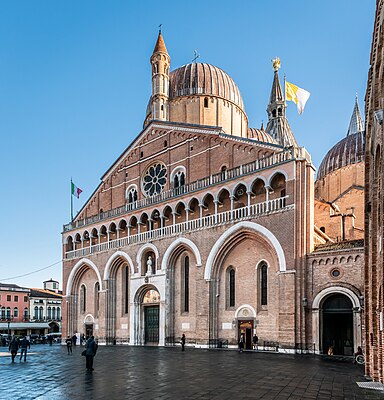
(75, 80)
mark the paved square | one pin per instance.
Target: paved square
(168, 373)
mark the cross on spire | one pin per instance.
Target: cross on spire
(196, 56)
(160, 27)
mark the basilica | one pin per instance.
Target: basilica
(208, 227)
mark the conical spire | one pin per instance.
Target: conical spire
(356, 124)
(160, 45)
(276, 92)
(278, 126)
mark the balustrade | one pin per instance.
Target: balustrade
(187, 226)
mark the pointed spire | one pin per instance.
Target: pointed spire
(276, 92)
(278, 126)
(356, 123)
(262, 125)
(160, 45)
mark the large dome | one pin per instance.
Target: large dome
(349, 150)
(204, 79)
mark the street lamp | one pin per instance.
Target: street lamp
(9, 319)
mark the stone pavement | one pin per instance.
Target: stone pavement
(168, 373)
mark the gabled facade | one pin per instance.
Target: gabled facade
(204, 226)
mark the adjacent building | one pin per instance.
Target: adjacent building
(25, 311)
(374, 272)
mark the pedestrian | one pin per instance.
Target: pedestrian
(68, 341)
(182, 341)
(241, 343)
(74, 339)
(13, 347)
(25, 344)
(90, 352)
(255, 341)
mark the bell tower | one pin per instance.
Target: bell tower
(278, 126)
(160, 62)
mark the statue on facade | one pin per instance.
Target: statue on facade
(149, 265)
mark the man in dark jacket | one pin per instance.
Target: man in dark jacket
(90, 352)
(13, 347)
(24, 345)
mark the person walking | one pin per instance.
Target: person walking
(14, 347)
(241, 343)
(90, 352)
(255, 341)
(74, 339)
(182, 341)
(24, 345)
(68, 341)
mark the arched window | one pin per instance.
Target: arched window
(49, 315)
(58, 313)
(186, 283)
(36, 313)
(231, 287)
(131, 195)
(41, 313)
(8, 312)
(178, 177)
(126, 287)
(263, 285)
(205, 102)
(26, 313)
(15, 312)
(83, 298)
(2, 312)
(97, 298)
(53, 312)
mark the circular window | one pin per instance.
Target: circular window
(335, 273)
(154, 179)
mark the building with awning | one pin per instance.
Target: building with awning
(24, 328)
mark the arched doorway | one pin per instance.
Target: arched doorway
(337, 324)
(151, 308)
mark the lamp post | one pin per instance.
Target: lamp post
(9, 319)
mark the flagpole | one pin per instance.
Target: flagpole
(71, 202)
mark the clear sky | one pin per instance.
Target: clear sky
(75, 80)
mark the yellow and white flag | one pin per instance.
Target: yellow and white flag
(296, 94)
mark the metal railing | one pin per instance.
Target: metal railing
(230, 174)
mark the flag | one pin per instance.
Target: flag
(75, 190)
(296, 94)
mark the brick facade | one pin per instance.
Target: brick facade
(223, 246)
(374, 306)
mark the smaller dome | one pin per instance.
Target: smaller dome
(349, 150)
(260, 135)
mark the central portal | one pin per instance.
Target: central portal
(151, 317)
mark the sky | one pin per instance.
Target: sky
(75, 80)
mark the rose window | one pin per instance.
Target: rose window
(154, 179)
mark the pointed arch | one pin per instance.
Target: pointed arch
(179, 242)
(111, 260)
(78, 265)
(247, 225)
(145, 247)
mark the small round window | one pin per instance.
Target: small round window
(154, 179)
(335, 273)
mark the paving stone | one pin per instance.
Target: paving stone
(167, 373)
